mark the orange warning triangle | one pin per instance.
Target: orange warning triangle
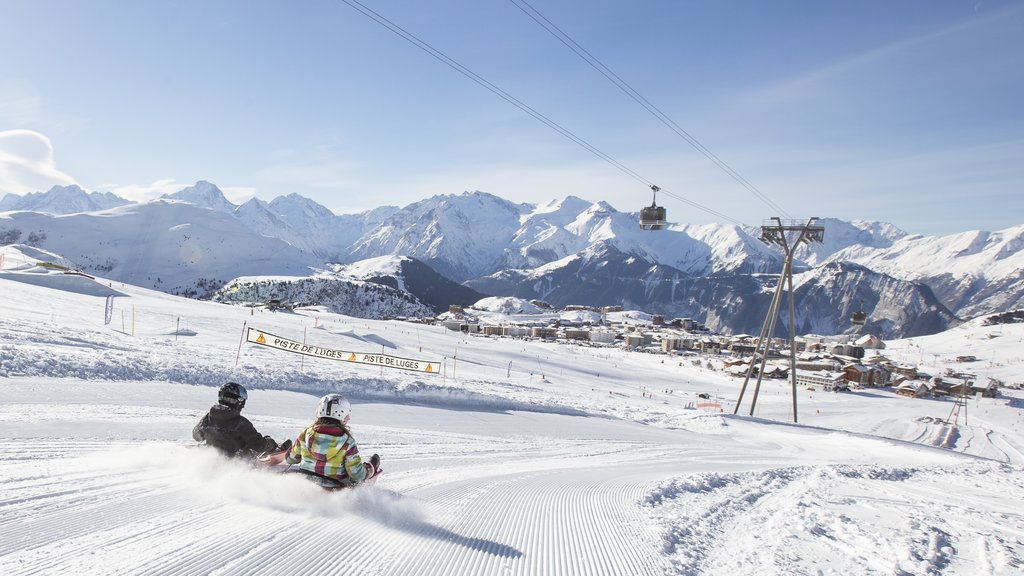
(430, 368)
(352, 358)
(261, 339)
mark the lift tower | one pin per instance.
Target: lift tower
(775, 231)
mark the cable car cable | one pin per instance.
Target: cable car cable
(704, 208)
(590, 59)
(488, 85)
(437, 54)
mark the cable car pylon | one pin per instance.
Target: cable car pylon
(775, 233)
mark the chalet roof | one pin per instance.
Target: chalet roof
(870, 341)
(858, 367)
(823, 374)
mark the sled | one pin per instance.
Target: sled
(276, 460)
(260, 460)
(330, 484)
(271, 459)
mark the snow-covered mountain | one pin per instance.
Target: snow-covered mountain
(294, 219)
(973, 273)
(840, 235)
(204, 195)
(827, 295)
(169, 245)
(259, 217)
(328, 235)
(557, 230)
(411, 276)
(459, 236)
(573, 251)
(830, 294)
(337, 295)
(62, 200)
(382, 287)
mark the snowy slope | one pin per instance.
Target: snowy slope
(517, 458)
(173, 246)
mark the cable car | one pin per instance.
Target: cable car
(653, 217)
(859, 318)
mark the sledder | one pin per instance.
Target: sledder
(327, 453)
(225, 429)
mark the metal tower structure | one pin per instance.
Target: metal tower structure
(780, 232)
(960, 403)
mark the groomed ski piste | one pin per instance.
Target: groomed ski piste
(516, 457)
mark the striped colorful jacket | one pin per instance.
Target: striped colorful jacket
(328, 451)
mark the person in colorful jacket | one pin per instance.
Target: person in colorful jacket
(327, 450)
(224, 427)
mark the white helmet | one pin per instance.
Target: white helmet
(334, 406)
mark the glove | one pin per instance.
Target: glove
(269, 444)
(372, 467)
(286, 445)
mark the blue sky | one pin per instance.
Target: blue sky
(908, 112)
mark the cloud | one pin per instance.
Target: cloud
(26, 163)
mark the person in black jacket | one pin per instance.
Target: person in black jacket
(224, 427)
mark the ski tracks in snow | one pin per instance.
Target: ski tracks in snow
(607, 499)
(835, 516)
(145, 509)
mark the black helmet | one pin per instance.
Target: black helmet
(233, 395)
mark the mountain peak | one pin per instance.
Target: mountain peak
(70, 199)
(568, 205)
(205, 195)
(69, 190)
(295, 207)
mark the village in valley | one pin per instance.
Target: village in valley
(837, 363)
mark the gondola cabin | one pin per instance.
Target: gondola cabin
(653, 217)
(859, 318)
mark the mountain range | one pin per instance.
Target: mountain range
(455, 249)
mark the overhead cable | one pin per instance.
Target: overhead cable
(590, 59)
(422, 45)
(488, 85)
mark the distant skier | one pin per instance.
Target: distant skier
(224, 427)
(326, 449)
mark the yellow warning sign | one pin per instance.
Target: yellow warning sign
(266, 339)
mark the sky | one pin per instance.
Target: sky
(514, 457)
(902, 112)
